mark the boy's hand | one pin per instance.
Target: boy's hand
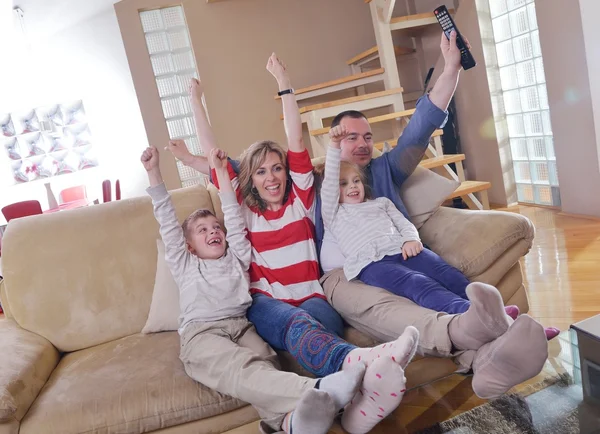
(411, 248)
(218, 159)
(179, 150)
(196, 90)
(278, 70)
(150, 159)
(337, 134)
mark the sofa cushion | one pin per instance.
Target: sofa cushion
(164, 310)
(474, 241)
(131, 385)
(423, 193)
(93, 268)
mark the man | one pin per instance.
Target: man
(500, 354)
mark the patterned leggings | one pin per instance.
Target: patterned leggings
(293, 329)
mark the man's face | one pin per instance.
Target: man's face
(357, 147)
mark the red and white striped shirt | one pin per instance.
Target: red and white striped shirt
(284, 255)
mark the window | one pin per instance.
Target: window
(172, 59)
(523, 100)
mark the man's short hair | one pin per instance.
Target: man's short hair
(354, 114)
(198, 214)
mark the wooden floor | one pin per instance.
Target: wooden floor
(562, 270)
(563, 280)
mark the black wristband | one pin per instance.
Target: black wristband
(285, 92)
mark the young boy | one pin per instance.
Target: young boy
(219, 346)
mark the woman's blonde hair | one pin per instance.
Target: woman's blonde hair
(250, 162)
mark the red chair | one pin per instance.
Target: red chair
(118, 190)
(106, 191)
(21, 209)
(72, 194)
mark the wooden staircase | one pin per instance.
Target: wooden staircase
(365, 71)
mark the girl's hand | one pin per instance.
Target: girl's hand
(411, 248)
(218, 159)
(337, 134)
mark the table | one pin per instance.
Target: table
(587, 333)
(70, 205)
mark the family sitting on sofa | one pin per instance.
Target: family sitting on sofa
(260, 282)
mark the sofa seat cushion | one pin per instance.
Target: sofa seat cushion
(132, 385)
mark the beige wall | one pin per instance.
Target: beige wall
(571, 108)
(232, 41)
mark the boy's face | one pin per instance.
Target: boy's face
(205, 238)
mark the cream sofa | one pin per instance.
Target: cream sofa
(77, 292)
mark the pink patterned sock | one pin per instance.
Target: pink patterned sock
(381, 392)
(400, 351)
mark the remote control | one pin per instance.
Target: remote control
(466, 58)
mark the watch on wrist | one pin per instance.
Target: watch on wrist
(285, 92)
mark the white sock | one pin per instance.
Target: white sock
(400, 351)
(343, 385)
(382, 390)
(314, 414)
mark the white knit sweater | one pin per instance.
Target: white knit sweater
(367, 231)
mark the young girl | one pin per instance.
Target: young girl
(382, 248)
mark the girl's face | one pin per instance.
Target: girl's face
(352, 189)
(270, 179)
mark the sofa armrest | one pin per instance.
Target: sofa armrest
(473, 240)
(26, 362)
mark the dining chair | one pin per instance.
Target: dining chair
(73, 193)
(21, 209)
(107, 190)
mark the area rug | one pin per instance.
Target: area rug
(548, 407)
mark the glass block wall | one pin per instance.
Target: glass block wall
(525, 100)
(170, 51)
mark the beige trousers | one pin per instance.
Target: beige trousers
(230, 357)
(384, 315)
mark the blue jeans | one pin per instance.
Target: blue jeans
(425, 279)
(294, 329)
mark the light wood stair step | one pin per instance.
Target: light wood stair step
(343, 83)
(415, 21)
(373, 120)
(392, 142)
(373, 53)
(431, 163)
(350, 100)
(468, 187)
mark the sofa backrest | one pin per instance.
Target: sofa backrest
(84, 277)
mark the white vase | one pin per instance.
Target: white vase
(51, 199)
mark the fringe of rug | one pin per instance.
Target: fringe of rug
(560, 380)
